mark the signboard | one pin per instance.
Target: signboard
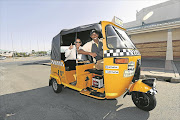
(117, 21)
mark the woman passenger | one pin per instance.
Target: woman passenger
(71, 52)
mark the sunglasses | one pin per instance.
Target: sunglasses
(77, 42)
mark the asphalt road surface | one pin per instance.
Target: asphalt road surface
(25, 95)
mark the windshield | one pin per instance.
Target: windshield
(117, 38)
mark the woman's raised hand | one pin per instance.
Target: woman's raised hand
(71, 46)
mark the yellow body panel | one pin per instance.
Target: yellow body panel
(116, 84)
(82, 75)
(56, 77)
(66, 77)
(70, 76)
(57, 70)
(139, 86)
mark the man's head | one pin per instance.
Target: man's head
(94, 35)
(78, 42)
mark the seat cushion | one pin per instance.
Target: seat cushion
(94, 70)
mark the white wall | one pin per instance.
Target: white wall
(149, 37)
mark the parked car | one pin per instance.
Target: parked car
(2, 58)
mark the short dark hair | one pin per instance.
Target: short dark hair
(76, 39)
(94, 31)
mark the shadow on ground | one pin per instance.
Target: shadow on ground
(43, 62)
(44, 104)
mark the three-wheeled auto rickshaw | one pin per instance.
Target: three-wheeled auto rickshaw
(121, 66)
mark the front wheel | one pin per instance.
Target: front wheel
(144, 101)
(56, 87)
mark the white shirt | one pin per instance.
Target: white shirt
(88, 46)
(71, 54)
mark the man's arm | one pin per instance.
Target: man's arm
(87, 53)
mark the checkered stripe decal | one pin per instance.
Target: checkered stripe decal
(57, 62)
(121, 52)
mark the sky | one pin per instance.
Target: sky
(27, 25)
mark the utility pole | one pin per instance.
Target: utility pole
(44, 45)
(37, 45)
(21, 46)
(30, 45)
(12, 46)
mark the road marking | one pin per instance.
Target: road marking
(11, 114)
(106, 115)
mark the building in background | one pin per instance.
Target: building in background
(156, 31)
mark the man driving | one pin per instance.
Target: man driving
(94, 48)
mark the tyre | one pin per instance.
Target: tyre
(56, 87)
(144, 101)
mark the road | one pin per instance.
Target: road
(25, 95)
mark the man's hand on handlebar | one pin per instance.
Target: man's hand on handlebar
(93, 54)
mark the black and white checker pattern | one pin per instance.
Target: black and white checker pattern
(57, 62)
(121, 52)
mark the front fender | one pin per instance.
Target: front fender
(54, 76)
(139, 86)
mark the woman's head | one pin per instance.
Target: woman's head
(78, 42)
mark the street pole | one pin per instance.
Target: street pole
(37, 45)
(44, 45)
(12, 46)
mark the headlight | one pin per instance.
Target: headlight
(154, 84)
(152, 91)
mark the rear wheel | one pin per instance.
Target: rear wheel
(144, 101)
(56, 87)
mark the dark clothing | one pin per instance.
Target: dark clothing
(98, 50)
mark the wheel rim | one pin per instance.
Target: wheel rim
(55, 85)
(142, 99)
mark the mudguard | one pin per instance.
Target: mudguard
(55, 77)
(139, 86)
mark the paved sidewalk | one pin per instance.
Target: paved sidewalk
(155, 68)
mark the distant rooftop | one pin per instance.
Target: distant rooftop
(157, 15)
(155, 24)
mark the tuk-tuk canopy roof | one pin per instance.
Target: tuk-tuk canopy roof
(57, 41)
(95, 26)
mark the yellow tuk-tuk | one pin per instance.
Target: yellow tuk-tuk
(120, 74)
